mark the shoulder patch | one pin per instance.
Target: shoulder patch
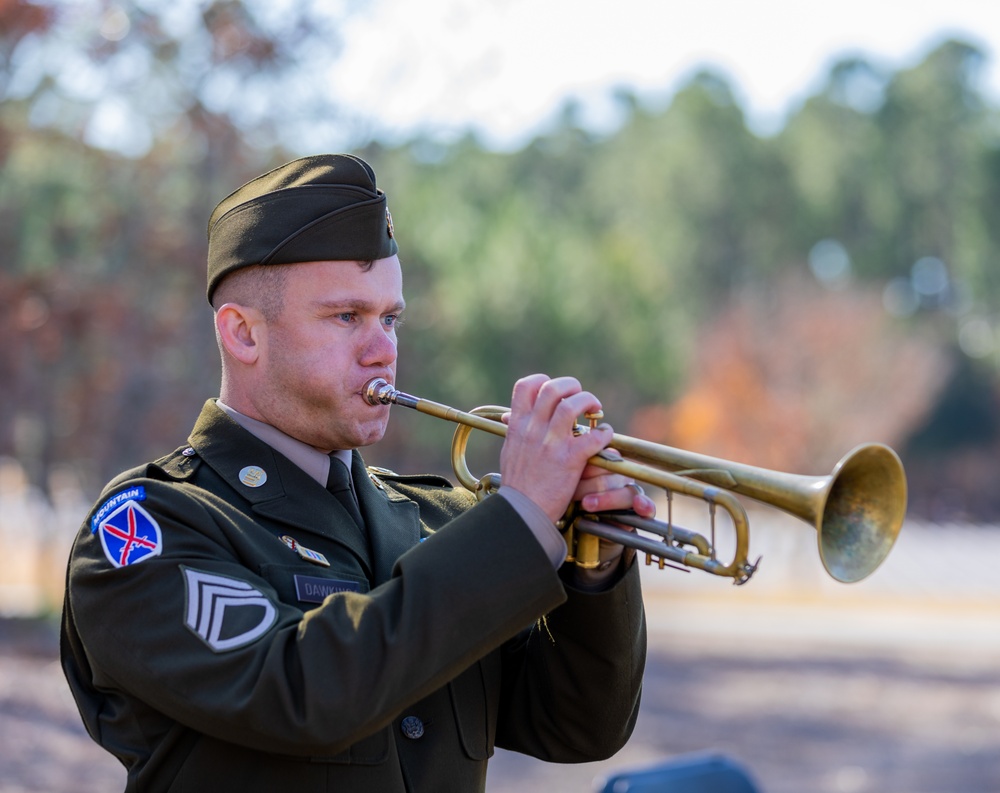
(137, 493)
(129, 534)
(225, 613)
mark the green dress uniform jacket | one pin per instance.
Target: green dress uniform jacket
(209, 648)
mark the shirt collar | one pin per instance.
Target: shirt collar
(308, 458)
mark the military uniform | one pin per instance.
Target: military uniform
(227, 626)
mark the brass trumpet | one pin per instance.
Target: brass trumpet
(857, 511)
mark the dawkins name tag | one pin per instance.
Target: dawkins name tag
(311, 589)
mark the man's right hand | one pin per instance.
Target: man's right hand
(541, 457)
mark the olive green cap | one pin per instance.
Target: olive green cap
(321, 208)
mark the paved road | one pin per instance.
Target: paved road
(808, 717)
(892, 685)
(888, 685)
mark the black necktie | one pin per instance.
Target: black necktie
(339, 484)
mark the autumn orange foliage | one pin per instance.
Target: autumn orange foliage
(793, 376)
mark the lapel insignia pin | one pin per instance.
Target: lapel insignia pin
(253, 476)
(305, 553)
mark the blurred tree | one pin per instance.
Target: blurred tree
(898, 177)
(104, 272)
(932, 124)
(121, 74)
(630, 259)
(952, 455)
(99, 295)
(779, 382)
(833, 149)
(578, 243)
(18, 20)
(892, 165)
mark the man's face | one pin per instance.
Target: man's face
(335, 332)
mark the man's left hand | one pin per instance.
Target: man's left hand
(602, 491)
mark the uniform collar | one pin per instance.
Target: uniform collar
(308, 458)
(288, 496)
(271, 483)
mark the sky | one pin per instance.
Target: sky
(504, 67)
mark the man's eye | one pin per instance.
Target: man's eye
(392, 320)
(347, 316)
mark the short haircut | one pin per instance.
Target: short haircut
(259, 287)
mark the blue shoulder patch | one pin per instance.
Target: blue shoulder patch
(130, 535)
(137, 493)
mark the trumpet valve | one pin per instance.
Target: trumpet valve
(588, 551)
(592, 421)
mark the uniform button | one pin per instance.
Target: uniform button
(189, 452)
(412, 727)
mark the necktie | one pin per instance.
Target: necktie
(339, 484)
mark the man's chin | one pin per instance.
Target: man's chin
(371, 434)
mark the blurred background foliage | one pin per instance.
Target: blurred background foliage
(773, 300)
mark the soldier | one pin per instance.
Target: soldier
(258, 611)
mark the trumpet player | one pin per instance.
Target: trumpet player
(258, 610)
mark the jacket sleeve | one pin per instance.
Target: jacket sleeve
(571, 685)
(293, 682)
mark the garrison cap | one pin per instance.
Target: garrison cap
(321, 208)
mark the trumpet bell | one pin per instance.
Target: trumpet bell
(861, 512)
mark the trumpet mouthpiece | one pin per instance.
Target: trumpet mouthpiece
(378, 392)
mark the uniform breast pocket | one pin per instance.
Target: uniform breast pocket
(308, 585)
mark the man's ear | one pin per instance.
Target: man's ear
(241, 331)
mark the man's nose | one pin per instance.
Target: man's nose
(380, 349)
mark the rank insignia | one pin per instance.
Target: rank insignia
(130, 535)
(225, 613)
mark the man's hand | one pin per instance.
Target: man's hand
(544, 460)
(541, 457)
(602, 491)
